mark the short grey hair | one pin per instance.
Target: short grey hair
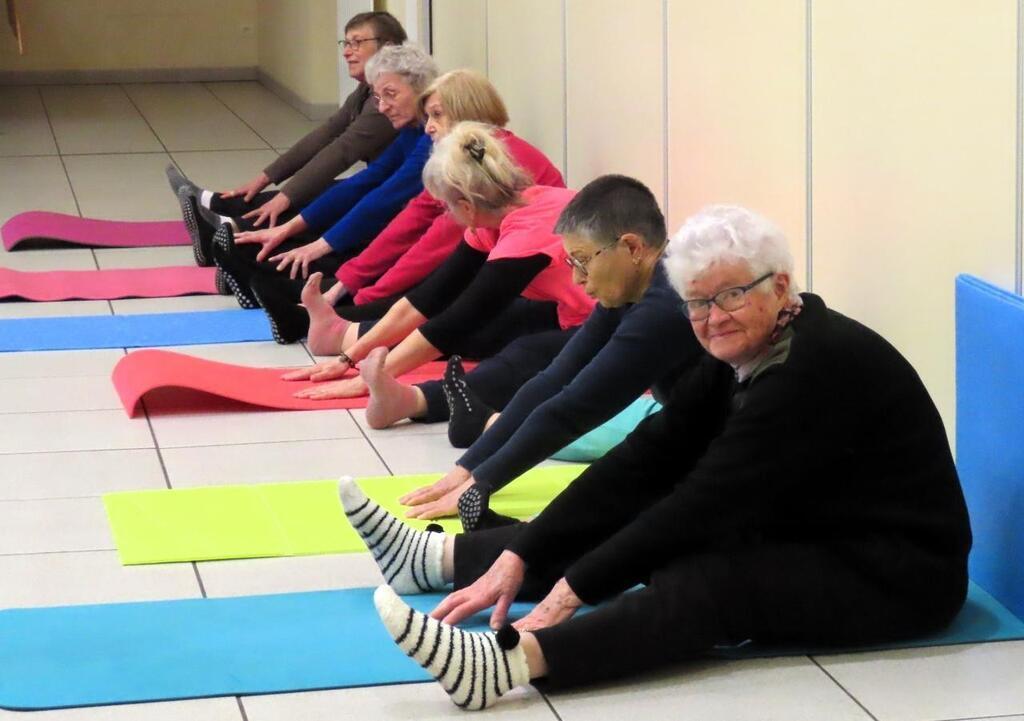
(727, 233)
(411, 62)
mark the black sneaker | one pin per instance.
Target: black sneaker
(199, 231)
(178, 181)
(234, 273)
(288, 320)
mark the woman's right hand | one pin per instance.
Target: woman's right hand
(326, 371)
(248, 190)
(447, 483)
(498, 587)
(269, 238)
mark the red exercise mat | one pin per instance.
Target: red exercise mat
(46, 226)
(145, 371)
(107, 284)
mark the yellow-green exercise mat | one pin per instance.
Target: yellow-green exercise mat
(283, 519)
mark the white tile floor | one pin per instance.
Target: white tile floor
(100, 151)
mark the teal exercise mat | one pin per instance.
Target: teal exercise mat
(133, 331)
(981, 619)
(100, 655)
(94, 655)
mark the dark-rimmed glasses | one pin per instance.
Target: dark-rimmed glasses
(581, 265)
(729, 300)
(354, 43)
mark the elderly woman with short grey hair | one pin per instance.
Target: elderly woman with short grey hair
(342, 220)
(798, 488)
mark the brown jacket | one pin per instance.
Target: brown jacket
(356, 132)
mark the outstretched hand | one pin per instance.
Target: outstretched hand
(448, 482)
(325, 371)
(299, 259)
(348, 388)
(558, 606)
(269, 238)
(248, 190)
(269, 211)
(498, 587)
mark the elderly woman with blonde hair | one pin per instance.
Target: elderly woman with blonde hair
(507, 277)
(798, 488)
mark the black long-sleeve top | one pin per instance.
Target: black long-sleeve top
(615, 357)
(836, 444)
(467, 291)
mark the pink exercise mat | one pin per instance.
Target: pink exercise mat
(107, 284)
(39, 225)
(187, 383)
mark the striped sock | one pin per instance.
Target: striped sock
(474, 668)
(409, 559)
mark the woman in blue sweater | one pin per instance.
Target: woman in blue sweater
(336, 225)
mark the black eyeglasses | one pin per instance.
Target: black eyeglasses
(354, 43)
(729, 300)
(581, 265)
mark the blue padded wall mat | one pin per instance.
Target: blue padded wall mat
(990, 433)
(70, 656)
(133, 331)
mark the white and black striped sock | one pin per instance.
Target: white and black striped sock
(474, 668)
(410, 560)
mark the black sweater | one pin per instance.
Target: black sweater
(617, 355)
(837, 445)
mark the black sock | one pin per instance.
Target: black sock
(199, 231)
(236, 275)
(279, 299)
(467, 414)
(474, 512)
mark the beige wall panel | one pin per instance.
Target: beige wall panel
(614, 88)
(298, 47)
(914, 137)
(525, 41)
(736, 100)
(460, 34)
(131, 35)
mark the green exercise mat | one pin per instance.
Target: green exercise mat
(283, 519)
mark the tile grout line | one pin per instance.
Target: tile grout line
(240, 118)
(550, 705)
(367, 438)
(56, 143)
(843, 688)
(241, 708)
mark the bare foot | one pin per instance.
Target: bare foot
(390, 401)
(326, 329)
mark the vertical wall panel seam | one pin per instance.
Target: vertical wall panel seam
(565, 89)
(809, 148)
(487, 38)
(1018, 266)
(664, 108)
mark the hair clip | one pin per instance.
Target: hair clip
(475, 149)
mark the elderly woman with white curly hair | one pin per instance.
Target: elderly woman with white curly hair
(798, 488)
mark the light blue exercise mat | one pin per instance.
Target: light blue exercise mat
(71, 656)
(133, 331)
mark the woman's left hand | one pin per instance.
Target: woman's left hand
(348, 388)
(558, 606)
(300, 258)
(446, 505)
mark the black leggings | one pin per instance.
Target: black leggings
(496, 379)
(521, 317)
(771, 592)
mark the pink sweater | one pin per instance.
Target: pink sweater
(424, 234)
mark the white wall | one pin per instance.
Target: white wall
(881, 136)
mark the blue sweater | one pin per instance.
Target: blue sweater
(614, 357)
(354, 210)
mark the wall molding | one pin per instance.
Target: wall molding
(135, 75)
(313, 111)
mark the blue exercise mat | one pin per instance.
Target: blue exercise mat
(989, 447)
(594, 444)
(154, 651)
(133, 331)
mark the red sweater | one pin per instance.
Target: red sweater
(424, 234)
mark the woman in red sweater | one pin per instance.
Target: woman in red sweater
(422, 236)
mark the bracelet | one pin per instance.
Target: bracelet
(343, 358)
